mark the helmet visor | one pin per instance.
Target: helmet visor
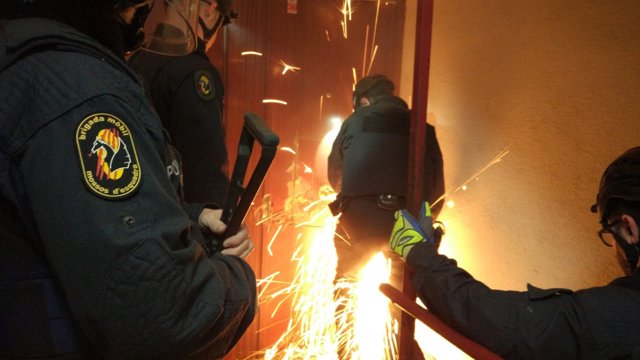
(172, 28)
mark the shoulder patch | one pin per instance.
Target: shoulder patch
(108, 157)
(204, 85)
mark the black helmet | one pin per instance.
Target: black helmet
(372, 86)
(621, 180)
(116, 24)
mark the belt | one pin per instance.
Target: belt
(384, 201)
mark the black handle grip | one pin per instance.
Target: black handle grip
(239, 199)
(259, 130)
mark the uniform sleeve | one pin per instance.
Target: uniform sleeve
(196, 130)
(336, 157)
(136, 279)
(538, 324)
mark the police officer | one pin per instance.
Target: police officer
(368, 168)
(594, 323)
(100, 257)
(187, 93)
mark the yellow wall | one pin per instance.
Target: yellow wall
(557, 84)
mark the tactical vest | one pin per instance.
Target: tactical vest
(376, 159)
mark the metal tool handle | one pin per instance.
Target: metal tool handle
(239, 198)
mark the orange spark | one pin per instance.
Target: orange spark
(346, 12)
(274, 101)
(307, 169)
(355, 77)
(255, 53)
(288, 67)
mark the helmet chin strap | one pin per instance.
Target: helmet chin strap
(208, 33)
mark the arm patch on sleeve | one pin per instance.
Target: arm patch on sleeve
(108, 158)
(204, 85)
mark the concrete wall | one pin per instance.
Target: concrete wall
(557, 84)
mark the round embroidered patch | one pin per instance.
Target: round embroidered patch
(204, 85)
(108, 158)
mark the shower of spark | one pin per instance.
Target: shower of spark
(374, 47)
(355, 324)
(346, 12)
(362, 326)
(373, 327)
(318, 328)
(311, 331)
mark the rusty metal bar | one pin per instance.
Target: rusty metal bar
(419, 98)
(424, 20)
(409, 306)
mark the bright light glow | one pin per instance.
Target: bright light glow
(274, 101)
(254, 53)
(336, 122)
(310, 333)
(324, 148)
(364, 327)
(435, 345)
(373, 329)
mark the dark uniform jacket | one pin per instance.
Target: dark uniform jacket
(370, 154)
(595, 323)
(99, 258)
(187, 93)
(369, 157)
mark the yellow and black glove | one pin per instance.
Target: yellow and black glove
(407, 231)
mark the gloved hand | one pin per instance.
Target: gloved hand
(407, 231)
